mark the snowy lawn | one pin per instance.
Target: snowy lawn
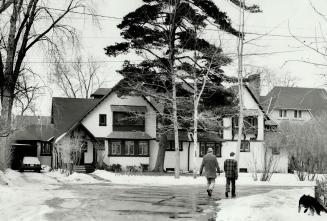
(75, 178)
(244, 179)
(277, 205)
(23, 195)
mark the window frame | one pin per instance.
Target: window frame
(128, 148)
(126, 127)
(203, 148)
(171, 146)
(46, 145)
(123, 150)
(245, 150)
(104, 122)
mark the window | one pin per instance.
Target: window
(102, 120)
(282, 113)
(129, 147)
(143, 148)
(275, 150)
(125, 121)
(297, 114)
(84, 146)
(45, 149)
(116, 148)
(245, 146)
(216, 147)
(171, 146)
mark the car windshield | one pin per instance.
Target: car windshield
(31, 160)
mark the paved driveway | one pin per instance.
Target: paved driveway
(122, 202)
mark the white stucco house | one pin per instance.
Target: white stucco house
(294, 104)
(113, 134)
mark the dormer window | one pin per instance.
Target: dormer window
(125, 121)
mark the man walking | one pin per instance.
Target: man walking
(231, 173)
(211, 167)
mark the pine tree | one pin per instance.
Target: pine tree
(166, 33)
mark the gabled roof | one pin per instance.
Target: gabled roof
(69, 112)
(66, 112)
(36, 132)
(312, 99)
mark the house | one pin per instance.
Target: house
(252, 145)
(115, 130)
(294, 104)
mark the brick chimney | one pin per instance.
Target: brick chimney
(254, 85)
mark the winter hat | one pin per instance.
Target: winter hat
(231, 154)
(210, 150)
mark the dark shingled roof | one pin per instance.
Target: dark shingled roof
(135, 135)
(313, 99)
(67, 111)
(36, 132)
(101, 92)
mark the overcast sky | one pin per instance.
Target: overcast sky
(279, 20)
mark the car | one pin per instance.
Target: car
(30, 163)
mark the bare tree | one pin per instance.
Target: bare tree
(270, 79)
(77, 78)
(5, 4)
(31, 22)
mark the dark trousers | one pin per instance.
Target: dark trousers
(228, 182)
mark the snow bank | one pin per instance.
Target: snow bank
(3, 179)
(244, 179)
(76, 178)
(277, 205)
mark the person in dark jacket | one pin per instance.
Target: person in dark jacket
(231, 173)
(211, 167)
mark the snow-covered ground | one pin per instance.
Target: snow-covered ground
(23, 195)
(277, 205)
(75, 178)
(244, 179)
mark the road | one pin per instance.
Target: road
(124, 203)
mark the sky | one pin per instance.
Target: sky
(270, 34)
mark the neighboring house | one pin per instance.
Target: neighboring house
(294, 104)
(33, 140)
(225, 141)
(116, 130)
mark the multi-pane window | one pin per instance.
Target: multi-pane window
(282, 113)
(45, 149)
(134, 148)
(102, 120)
(143, 148)
(116, 148)
(125, 121)
(297, 114)
(216, 147)
(245, 146)
(129, 147)
(171, 146)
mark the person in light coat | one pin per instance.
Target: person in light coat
(211, 167)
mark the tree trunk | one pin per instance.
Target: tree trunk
(177, 163)
(195, 139)
(159, 167)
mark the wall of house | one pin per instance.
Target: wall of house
(91, 122)
(45, 160)
(253, 160)
(274, 114)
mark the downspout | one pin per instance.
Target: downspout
(188, 156)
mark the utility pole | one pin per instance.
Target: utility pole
(240, 45)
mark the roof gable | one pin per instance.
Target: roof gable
(66, 112)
